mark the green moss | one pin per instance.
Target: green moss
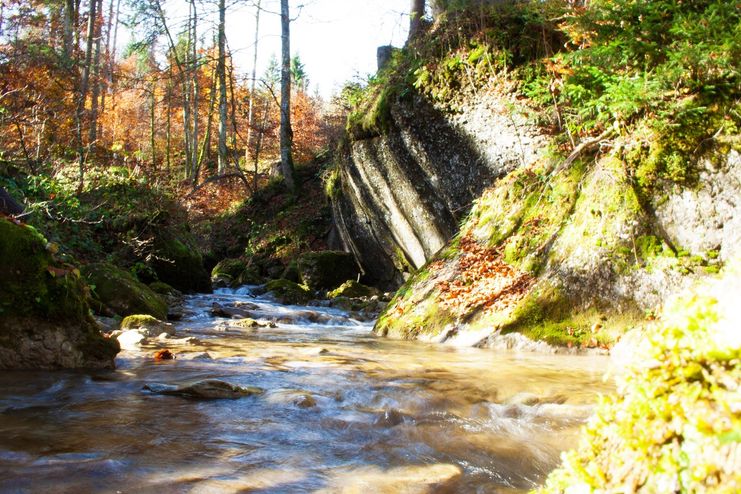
(673, 424)
(139, 321)
(117, 290)
(352, 289)
(288, 292)
(229, 268)
(162, 288)
(178, 262)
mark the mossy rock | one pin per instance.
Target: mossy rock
(178, 263)
(45, 320)
(162, 288)
(146, 322)
(353, 289)
(326, 270)
(118, 291)
(288, 292)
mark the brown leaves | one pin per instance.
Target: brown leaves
(484, 280)
(163, 354)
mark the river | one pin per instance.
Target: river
(342, 411)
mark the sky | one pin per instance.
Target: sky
(335, 39)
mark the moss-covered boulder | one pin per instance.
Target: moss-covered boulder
(674, 424)
(177, 262)
(353, 289)
(149, 325)
(118, 291)
(326, 270)
(288, 292)
(235, 272)
(45, 320)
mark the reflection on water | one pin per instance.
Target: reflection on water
(342, 411)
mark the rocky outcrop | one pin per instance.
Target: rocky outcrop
(44, 315)
(402, 196)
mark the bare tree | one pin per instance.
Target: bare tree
(221, 71)
(416, 13)
(251, 110)
(286, 133)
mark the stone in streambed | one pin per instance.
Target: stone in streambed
(116, 290)
(149, 325)
(209, 389)
(411, 479)
(288, 292)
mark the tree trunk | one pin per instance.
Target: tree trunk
(196, 92)
(286, 134)
(221, 71)
(82, 96)
(416, 14)
(70, 22)
(93, 131)
(251, 110)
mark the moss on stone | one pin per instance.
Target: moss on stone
(139, 321)
(673, 425)
(162, 288)
(117, 290)
(288, 292)
(352, 289)
(230, 268)
(44, 316)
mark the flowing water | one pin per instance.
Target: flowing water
(342, 411)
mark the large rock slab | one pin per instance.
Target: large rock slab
(44, 316)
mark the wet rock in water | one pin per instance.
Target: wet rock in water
(131, 339)
(353, 289)
(164, 354)
(389, 418)
(239, 304)
(195, 356)
(235, 312)
(288, 292)
(190, 340)
(209, 389)
(249, 323)
(148, 325)
(299, 398)
(413, 479)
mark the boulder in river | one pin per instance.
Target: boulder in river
(45, 320)
(353, 289)
(151, 326)
(118, 291)
(288, 292)
(178, 262)
(412, 479)
(209, 389)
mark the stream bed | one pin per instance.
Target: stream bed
(341, 411)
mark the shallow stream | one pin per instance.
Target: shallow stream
(342, 411)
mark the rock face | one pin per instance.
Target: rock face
(44, 316)
(118, 291)
(402, 195)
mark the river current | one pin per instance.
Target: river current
(342, 411)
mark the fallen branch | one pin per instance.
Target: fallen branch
(582, 148)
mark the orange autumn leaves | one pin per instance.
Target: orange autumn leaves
(483, 280)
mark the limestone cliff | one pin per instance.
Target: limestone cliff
(463, 181)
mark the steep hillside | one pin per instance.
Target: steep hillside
(519, 187)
